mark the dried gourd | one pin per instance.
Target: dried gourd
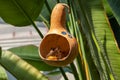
(58, 47)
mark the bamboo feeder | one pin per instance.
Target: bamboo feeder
(58, 47)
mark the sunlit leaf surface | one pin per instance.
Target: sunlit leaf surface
(31, 55)
(20, 68)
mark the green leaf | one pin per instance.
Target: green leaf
(90, 12)
(106, 41)
(0, 52)
(20, 12)
(20, 68)
(46, 11)
(30, 54)
(93, 66)
(3, 74)
(115, 6)
(107, 8)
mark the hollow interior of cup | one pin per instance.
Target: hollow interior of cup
(52, 43)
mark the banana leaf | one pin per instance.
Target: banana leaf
(107, 8)
(115, 6)
(0, 51)
(91, 71)
(46, 11)
(3, 75)
(20, 12)
(96, 28)
(106, 38)
(30, 54)
(84, 16)
(20, 68)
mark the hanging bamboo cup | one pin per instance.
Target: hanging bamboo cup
(58, 47)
